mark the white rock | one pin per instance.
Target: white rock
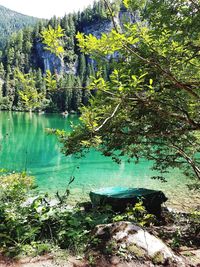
(131, 234)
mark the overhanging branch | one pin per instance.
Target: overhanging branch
(108, 118)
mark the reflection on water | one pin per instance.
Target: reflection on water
(26, 146)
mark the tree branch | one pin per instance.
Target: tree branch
(107, 119)
(167, 73)
(189, 160)
(195, 4)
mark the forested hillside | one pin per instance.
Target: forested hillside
(26, 65)
(11, 21)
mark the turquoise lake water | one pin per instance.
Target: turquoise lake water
(25, 145)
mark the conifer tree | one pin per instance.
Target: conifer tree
(82, 68)
(77, 94)
(68, 92)
(2, 71)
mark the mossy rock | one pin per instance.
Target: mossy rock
(138, 252)
(158, 258)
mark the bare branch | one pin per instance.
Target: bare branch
(111, 15)
(188, 159)
(107, 119)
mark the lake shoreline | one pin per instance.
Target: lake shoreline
(26, 146)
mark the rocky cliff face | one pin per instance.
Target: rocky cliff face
(48, 61)
(106, 26)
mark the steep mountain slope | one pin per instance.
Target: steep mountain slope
(26, 53)
(11, 21)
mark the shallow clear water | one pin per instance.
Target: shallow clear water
(25, 145)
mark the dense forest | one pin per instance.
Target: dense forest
(26, 55)
(132, 70)
(11, 21)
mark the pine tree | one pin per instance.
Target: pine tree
(77, 94)
(82, 68)
(10, 56)
(40, 82)
(19, 41)
(2, 71)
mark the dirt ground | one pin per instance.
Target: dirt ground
(50, 261)
(193, 255)
(42, 261)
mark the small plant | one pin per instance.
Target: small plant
(158, 258)
(194, 221)
(36, 248)
(176, 240)
(14, 186)
(110, 247)
(91, 260)
(136, 214)
(63, 198)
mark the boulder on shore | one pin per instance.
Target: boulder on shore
(124, 243)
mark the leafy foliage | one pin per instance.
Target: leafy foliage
(28, 94)
(52, 40)
(48, 52)
(149, 106)
(35, 225)
(136, 214)
(14, 187)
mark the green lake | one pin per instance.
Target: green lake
(25, 145)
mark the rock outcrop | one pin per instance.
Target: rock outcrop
(127, 243)
(48, 61)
